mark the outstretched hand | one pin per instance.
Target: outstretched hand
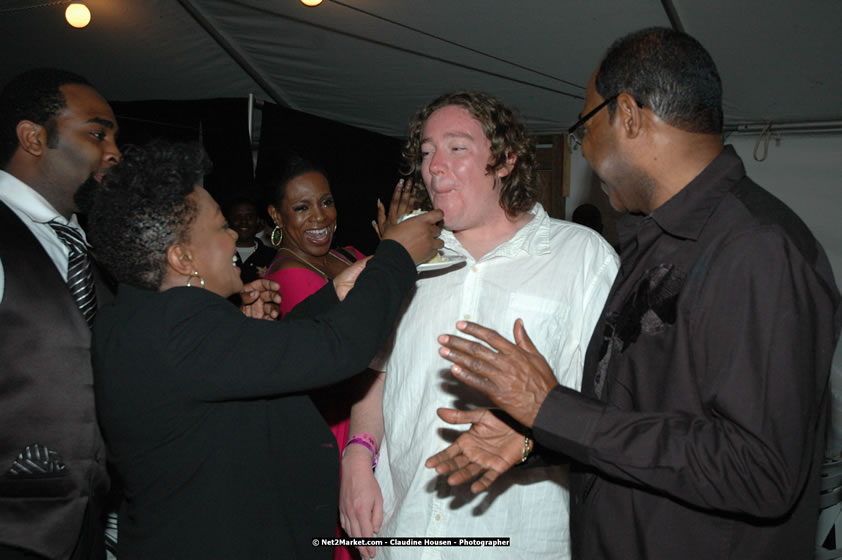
(418, 234)
(401, 204)
(260, 299)
(488, 449)
(516, 377)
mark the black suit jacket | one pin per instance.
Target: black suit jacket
(46, 401)
(220, 451)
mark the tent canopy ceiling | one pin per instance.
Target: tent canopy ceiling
(372, 63)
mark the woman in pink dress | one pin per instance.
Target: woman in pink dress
(304, 213)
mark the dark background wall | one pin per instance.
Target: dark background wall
(361, 165)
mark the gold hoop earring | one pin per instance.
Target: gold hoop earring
(277, 236)
(335, 225)
(193, 276)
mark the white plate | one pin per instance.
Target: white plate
(452, 259)
(411, 215)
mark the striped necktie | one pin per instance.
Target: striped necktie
(80, 277)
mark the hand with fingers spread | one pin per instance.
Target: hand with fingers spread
(516, 377)
(402, 204)
(487, 450)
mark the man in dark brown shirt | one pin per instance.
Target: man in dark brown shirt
(699, 430)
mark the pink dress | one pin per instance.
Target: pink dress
(333, 402)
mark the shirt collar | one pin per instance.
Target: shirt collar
(533, 238)
(685, 214)
(29, 202)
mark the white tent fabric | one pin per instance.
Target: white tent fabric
(371, 63)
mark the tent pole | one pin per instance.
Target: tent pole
(234, 53)
(672, 15)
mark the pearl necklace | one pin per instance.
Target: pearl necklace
(302, 260)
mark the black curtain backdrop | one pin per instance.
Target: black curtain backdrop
(361, 166)
(220, 124)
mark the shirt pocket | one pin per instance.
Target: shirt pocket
(542, 317)
(53, 485)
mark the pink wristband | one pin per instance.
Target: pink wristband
(366, 440)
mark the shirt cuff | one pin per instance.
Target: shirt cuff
(566, 422)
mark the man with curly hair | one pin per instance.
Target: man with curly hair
(477, 164)
(699, 430)
(56, 134)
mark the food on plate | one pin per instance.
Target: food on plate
(438, 257)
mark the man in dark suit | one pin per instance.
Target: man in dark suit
(56, 135)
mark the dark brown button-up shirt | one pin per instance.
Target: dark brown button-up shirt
(699, 432)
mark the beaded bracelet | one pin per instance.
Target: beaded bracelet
(527, 449)
(369, 442)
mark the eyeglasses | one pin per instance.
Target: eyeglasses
(577, 132)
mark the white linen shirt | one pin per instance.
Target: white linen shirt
(554, 275)
(34, 211)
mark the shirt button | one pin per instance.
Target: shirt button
(473, 269)
(467, 316)
(438, 517)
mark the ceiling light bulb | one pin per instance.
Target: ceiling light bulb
(77, 14)
(311, 3)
